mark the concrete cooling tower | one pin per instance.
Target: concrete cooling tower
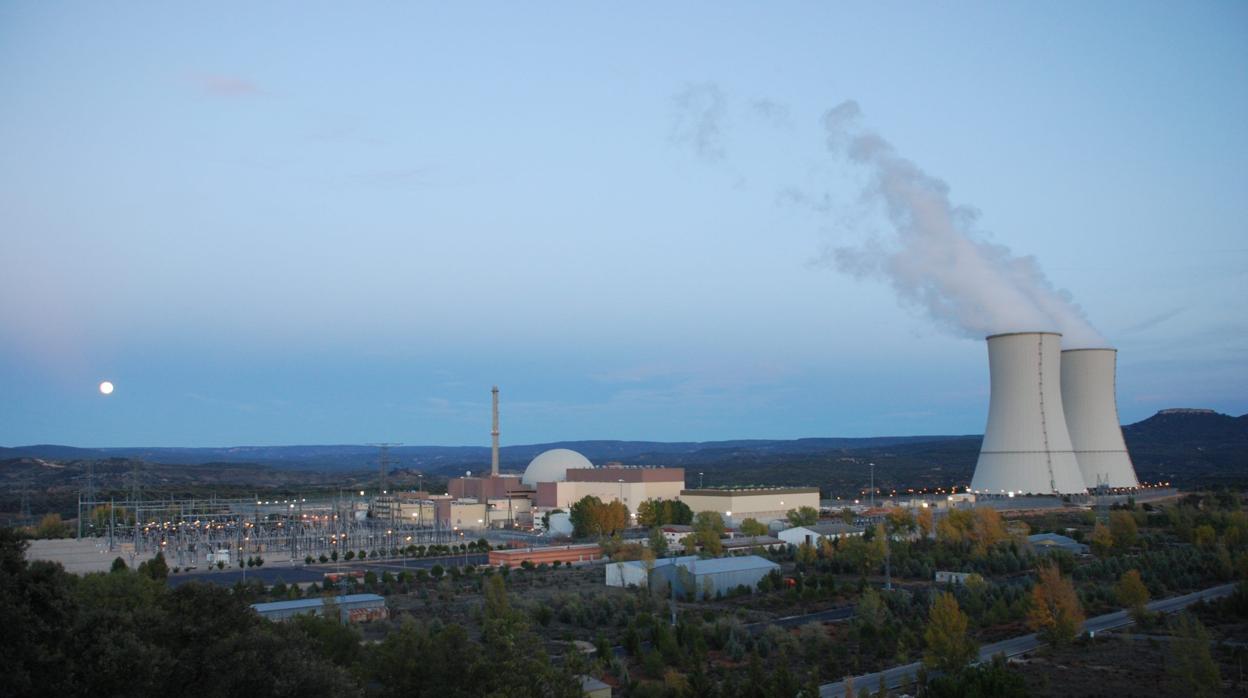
(1088, 398)
(1026, 449)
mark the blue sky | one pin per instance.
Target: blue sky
(312, 223)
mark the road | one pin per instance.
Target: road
(899, 675)
(302, 574)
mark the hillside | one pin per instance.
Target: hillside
(1192, 448)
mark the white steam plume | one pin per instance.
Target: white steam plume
(934, 260)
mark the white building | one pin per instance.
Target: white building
(817, 532)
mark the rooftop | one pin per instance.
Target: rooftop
(315, 603)
(749, 491)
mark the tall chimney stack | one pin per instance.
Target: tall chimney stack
(494, 437)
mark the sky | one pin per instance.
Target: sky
(310, 223)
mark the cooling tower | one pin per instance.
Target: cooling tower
(1026, 445)
(1088, 398)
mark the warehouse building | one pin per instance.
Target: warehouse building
(352, 608)
(763, 504)
(691, 575)
(629, 484)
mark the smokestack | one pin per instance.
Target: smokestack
(1091, 406)
(1027, 448)
(494, 437)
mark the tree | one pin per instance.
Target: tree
(51, 526)
(1101, 540)
(1133, 595)
(803, 516)
(806, 554)
(987, 530)
(753, 527)
(1190, 662)
(1123, 528)
(1055, 614)
(924, 521)
(954, 528)
(119, 565)
(583, 516)
(949, 648)
(900, 521)
(658, 542)
(155, 568)
(708, 530)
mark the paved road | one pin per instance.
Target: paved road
(898, 675)
(303, 574)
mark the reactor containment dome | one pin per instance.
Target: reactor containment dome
(1027, 447)
(1091, 407)
(553, 466)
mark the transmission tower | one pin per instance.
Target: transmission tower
(383, 462)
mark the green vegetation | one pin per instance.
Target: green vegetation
(949, 648)
(803, 516)
(592, 517)
(660, 512)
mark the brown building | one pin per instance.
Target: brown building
(566, 554)
(488, 487)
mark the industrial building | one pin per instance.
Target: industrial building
(764, 504)
(813, 534)
(631, 485)
(565, 554)
(1091, 407)
(352, 608)
(691, 575)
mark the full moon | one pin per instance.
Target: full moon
(106, 388)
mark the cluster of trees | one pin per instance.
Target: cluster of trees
(662, 512)
(592, 517)
(126, 632)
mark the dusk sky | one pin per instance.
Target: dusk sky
(309, 223)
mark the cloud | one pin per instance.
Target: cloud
(772, 113)
(227, 85)
(698, 121)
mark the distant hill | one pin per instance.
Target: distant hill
(1190, 447)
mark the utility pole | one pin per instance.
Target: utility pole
(872, 485)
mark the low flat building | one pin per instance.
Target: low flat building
(566, 554)
(816, 533)
(738, 544)
(352, 608)
(703, 578)
(763, 504)
(1053, 541)
(593, 688)
(955, 578)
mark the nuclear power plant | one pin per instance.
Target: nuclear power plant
(1052, 419)
(1088, 398)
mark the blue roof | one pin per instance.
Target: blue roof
(301, 604)
(731, 564)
